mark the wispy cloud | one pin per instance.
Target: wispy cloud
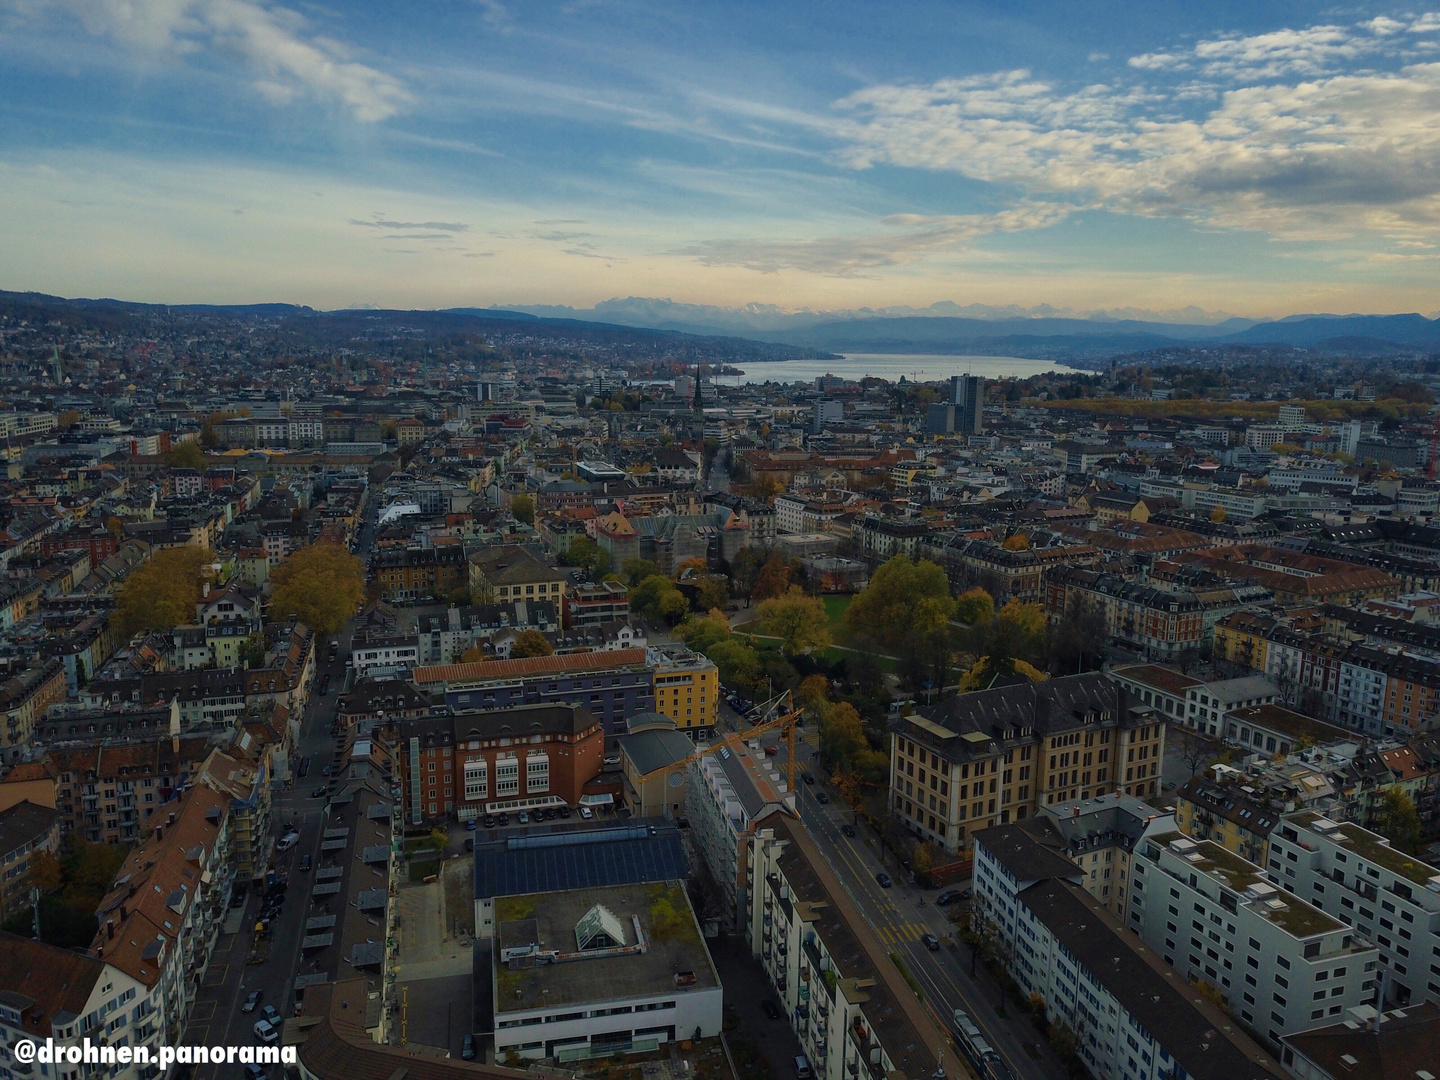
(285, 58)
(907, 238)
(437, 226)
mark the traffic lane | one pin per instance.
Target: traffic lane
(947, 984)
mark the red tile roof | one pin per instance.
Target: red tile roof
(530, 666)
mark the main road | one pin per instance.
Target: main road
(903, 914)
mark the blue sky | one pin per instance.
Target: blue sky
(1257, 159)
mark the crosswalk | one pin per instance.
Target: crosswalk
(898, 935)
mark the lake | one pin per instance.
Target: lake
(918, 367)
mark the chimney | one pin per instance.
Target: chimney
(110, 929)
(122, 912)
(205, 590)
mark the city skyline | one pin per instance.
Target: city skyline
(1259, 160)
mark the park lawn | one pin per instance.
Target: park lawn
(835, 608)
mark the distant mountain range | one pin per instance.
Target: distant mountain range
(998, 331)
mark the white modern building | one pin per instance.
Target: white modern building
(1281, 964)
(847, 1002)
(1133, 1017)
(1100, 836)
(1390, 898)
(591, 973)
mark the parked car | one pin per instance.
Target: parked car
(469, 843)
(489, 821)
(503, 819)
(254, 1072)
(304, 769)
(271, 1015)
(524, 818)
(265, 1032)
(470, 825)
(771, 750)
(327, 770)
(931, 942)
(884, 879)
(320, 792)
(586, 813)
(847, 830)
(467, 1048)
(949, 896)
(304, 863)
(564, 811)
(252, 1001)
(771, 1009)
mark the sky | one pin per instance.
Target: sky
(1181, 159)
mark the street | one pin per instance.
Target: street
(903, 914)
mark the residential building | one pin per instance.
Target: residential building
(687, 688)
(1390, 898)
(1006, 575)
(591, 605)
(1206, 809)
(1134, 1020)
(247, 786)
(26, 830)
(844, 997)
(104, 791)
(505, 574)
(612, 685)
(1281, 964)
(1155, 623)
(729, 793)
(470, 763)
(997, 756)
(1395, 1045)
(70, 997)
(881, 538)
(1099, 836)
(24, 697)
(592, 973)
(384, 655)
(418, 572)
(161, 919)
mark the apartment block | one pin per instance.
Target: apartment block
(1282, 964)
(849, 1006)
(1206, 809)
(1134, 1019)
(687, 688)
(997, 756)
(1391, 898)
(1099, 836)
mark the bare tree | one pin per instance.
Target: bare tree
(1195, 749)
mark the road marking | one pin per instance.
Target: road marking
(216, 975)
(196, 1034)
(196, 1013)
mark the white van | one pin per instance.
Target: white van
(802, 1068)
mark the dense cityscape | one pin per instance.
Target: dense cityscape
(432, 693)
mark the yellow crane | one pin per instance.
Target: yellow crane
(786, 722)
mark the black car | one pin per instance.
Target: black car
(884, 879)
(469, 843)
(503, 819)
(949, 896)
(320, 792)
(489, 821)
(771, 1009)
(822, 797)
(564, 811)
(931, 942)
(304, 863)
(467, 1048)
(809, 778)
(847, 830)
(304, 769)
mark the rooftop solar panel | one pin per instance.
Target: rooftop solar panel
(634, 856)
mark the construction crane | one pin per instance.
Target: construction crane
(786, 722)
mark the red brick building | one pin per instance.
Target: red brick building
(471, 763)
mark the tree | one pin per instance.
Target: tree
(799, 621)
(475, 655)
(1195, 749)
(637, 570)
(712, 592)
(773, 579)
(1079, 640)
(975, 607)
(922, 858)
(1217, 515)
(763, 488)
(842, 737)
(45, 873)
(530, 643)
(587, 554)
(1018, 542)
(523, 509)
(814, 692)
(673, 606)
(744, 569)
(907, 606)
(162, 591)
(322, 585)
(1397, 820)
(116, 528)
(185, 455)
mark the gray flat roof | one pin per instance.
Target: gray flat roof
(583, 858)
(673, 942)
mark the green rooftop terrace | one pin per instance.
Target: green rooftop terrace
(1369, 846)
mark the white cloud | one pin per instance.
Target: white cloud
(274, 43)
(1269, 138)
